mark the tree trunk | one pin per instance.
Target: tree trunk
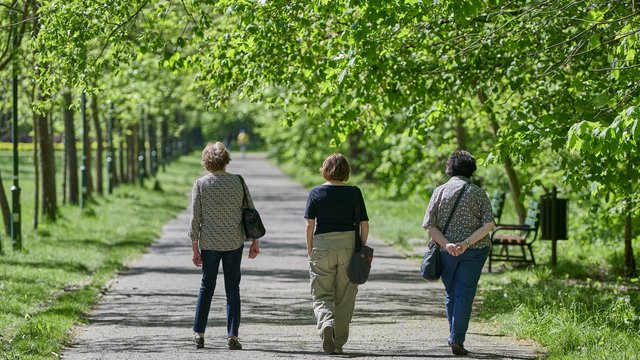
(164, 143)
(47, 168)
(121, 156)
(86, 148)
(36, 167)
(100, 147)
(70, 150)
(153, 146)
(512, 176)
(6, 212)
(461, 136)
(65, 173)
(131, 155)
(629, 259)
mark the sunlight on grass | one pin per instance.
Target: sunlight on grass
(584, 319)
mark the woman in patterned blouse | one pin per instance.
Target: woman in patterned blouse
(217, 236)
(465, 245)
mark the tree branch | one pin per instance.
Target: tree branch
(118, 27)
(635, 66)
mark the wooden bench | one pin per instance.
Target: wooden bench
(504, 237)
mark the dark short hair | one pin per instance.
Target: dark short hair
(215, 156)
(461, 163)
(335, 167)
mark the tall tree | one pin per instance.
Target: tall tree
(100, 144)
(70, 148)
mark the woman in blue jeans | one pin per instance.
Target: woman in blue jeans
(217, 237)
(465, 245)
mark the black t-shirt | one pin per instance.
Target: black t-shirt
(333, 207)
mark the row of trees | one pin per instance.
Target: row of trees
(133, 118)
(545, 89)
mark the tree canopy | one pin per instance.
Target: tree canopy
(546, 89)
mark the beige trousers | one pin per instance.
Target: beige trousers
(334, 296)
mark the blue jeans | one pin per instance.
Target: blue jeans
(231, 267)
(460, 276)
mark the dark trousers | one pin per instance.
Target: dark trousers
(231, 267)
(460, 276)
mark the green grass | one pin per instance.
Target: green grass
(582, 309)
(586, 319)
(50, 286)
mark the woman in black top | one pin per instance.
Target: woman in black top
(330, 233)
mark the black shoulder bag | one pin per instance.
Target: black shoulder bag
(360, 264)
(430, 268)
(251, 222)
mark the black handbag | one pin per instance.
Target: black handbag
(251, 222)
(430, 268)
(360, 264)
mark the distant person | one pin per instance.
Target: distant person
(243, 141)
(227, 140)
(466, 244)
(330, 233)
(217, 235)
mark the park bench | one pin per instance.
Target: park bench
(504, 237)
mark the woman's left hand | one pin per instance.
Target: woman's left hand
(461, 248)
(254, 250)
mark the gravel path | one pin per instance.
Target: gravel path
(148, 311)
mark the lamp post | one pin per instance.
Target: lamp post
(141, 152)
(110, 167)
(83, 166)
(16, 233)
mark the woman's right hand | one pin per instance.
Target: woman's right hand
(197, 258)
(451, 249)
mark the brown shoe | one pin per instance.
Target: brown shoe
(458, 349)
(234, 344)
(199, 341)
(328, 345)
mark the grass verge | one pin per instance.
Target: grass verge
(572, 318)
(51, 285)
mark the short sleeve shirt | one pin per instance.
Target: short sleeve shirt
(473, 211)
(333, 207)
(217, 201)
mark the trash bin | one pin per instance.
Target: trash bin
(553, 218)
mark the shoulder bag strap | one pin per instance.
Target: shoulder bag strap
(244, 192)
(356, 210)
(455, 205)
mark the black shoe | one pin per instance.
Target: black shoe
(328, 345)
(458, 349)
(199, 341)
(234, 344)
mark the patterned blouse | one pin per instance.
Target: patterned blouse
(474, 210)
(216, 212)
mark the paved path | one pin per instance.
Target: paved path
(148, 312)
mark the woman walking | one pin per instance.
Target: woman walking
(330, 234)
(217, 236)
(465, 245)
